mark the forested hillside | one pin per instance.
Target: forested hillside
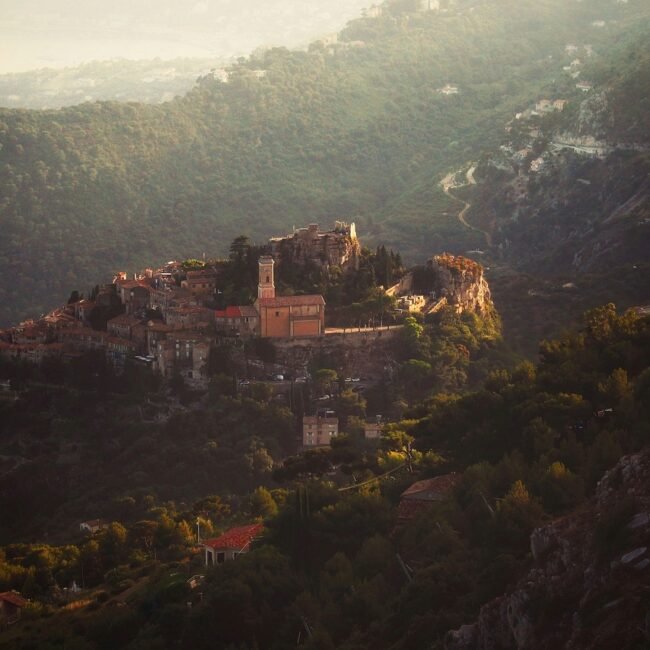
(343, 562)
(357, 129)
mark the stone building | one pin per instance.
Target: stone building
(232, 543)
(318, 430)
(338, 247)
(286, 316)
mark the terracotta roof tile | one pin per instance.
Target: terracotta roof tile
(432, 488)
(236, 538)
(12, 597)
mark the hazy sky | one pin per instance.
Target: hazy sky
(58, 33)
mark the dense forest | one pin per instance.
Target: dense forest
(537, 533)
(336, 567)
(358, 129)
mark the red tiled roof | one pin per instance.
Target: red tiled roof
(432, 488)
(12, 597)
(233, 311)
(248, 311)
(291, 301)
(408, 509)
(237, 311)
(236, 538)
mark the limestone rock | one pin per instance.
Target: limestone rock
(461, 281)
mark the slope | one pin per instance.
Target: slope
(355, 129)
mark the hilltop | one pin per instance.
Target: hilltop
(363, 125)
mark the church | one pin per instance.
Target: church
(286, 316)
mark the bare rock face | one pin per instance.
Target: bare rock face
(588, 583)
(461, 281)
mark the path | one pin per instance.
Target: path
(448, 184)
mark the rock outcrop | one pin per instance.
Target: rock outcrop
(461, 281)
(587, 587)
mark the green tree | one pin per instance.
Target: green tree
(262, 503)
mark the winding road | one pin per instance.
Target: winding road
(448, 184)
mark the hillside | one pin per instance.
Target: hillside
(532, 516)
(565, 200)
(359, 128)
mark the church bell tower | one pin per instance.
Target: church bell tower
(266, 286)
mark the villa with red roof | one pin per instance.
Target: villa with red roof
(231, 544)
(423, 493)
(11, 603)
(240, 319)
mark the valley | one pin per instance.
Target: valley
(345, 347)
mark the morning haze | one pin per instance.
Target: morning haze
(42, 33)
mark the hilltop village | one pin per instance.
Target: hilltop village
(167, 320)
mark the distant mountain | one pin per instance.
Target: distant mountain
(151, 81)
(362, 127)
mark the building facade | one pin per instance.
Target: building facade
(318, 430)
(286, 316)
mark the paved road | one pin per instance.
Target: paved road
(448, 184)
(356, 330)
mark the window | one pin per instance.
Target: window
(277, 313)
(267, 279)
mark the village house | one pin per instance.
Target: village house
(160, 297)
(422, 494)
(372, 428)
(449, 89)
(232, 543)
(201, 283)
(11, 604)
(134, 294)
(91, 526)
(239, 320)
(411, 302)
(537, 164)
(318, 430)
(83, 338)
(286, 316)
(185, 353)
(585, 86)
(188, 317)
(29, 333)
(154, 332)
(118, 350)
(59, 319)
(37, 353)
(82, 310)
(122, 326)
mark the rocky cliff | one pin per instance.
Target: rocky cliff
(588, 583)
(461, 281)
